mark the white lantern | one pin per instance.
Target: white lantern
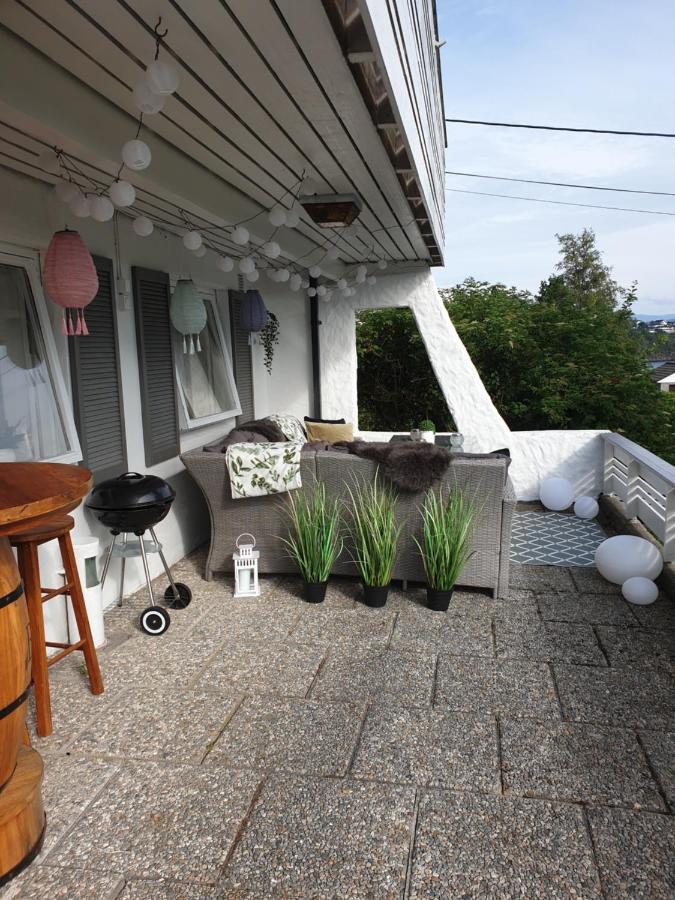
(640, 591)
(342, 283)
(253, 276)
(272, 274)
(246, 265)
(295, 282)
(101, 209)
(200, 251)
(122, 193)
(314, 271)
(277, 216)
(627, 556)
(586, 507)
(225, 263)
(143, 226)
(192, 240)
(327, 297)
(162, 77)
(360, 277)
(332, 252)
(382, 264)
(283, 275)
(311, 291)
(321, 290)
(147, 100)
(246, 567)
(271, 249)
(362, 271)
(80, 205)
(292, 217)
(240, 235)
(556, 493)
(305, 282)
(66, 190)
(371, 279)
(136, 155)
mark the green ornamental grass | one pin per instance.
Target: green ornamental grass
(447, 529)
(314, 541)
(373, 531)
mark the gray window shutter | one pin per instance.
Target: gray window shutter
(155, 363)
(242, 362)
(96, 383)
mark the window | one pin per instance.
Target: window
(205, 379)
(36, 421)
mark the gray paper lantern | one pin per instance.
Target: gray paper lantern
(188, 313)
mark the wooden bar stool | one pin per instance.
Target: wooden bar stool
(26, 543)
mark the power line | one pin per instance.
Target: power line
(658, 134)
(653, 212)
(587, 187)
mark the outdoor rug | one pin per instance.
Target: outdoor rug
(554, 539)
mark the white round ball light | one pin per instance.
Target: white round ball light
(101, 209)
(295, 282)
(371, 279)
(192, 240)
(314, 271)
(161, 77)
(122, 193)
(200, 251)
(80, 205)
(252, 276)
(382, 264)
(136, 155)
(271, 249)
(277, 216)
(246, 265)
(342, 283)
(146, 100)
(143, 226)
(292, 217)
(283, 275)
(305, 282)
(311, 291)
(556, 493)
(641, 591)
(240, 235)
(225, 263)
(627, 556)
(586, 507)
(321, 290)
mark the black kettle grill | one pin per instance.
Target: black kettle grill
(131, 504)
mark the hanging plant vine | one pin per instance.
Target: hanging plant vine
(269, 337)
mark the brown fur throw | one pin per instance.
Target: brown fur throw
(411, 466)
(266, 428)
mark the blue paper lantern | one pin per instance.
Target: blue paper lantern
(252, 312)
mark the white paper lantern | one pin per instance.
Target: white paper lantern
(332, 252)
(277, 216)
(371, 279)
(225, 263)
(122, 193)
(101, 209)
(66, 190)
(48, 161)
(147, 100)
(246, 265)
(200, 251)
(360, 277)
(342, 283)
(271, 249)
(586, 507)
(627, 556)
(295, 282)
(321, 290)
(305, 282)
(272, 274)
(240, 235)
(252, 276)
(188, 314)
(362, 270)
(192, 240)
(292, 217)
(314, 271)
(284, 275)
(556, 493)
(136, 155)
(327, 297)
(80, 205)
(311, 291)
(382, 264)
(161, 77)
(143, 226)
(640, 591)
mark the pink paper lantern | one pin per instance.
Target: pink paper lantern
(70, 278)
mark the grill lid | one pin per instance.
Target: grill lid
(130, 491)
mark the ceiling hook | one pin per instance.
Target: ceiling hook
(158, 33)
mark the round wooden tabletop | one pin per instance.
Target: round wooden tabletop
(30, 491)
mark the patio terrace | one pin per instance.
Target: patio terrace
(268, 748)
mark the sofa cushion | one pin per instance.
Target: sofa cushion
(323, 431)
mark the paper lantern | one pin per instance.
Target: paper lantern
(192, 240)
(240, 235)
(136, 155)
(80, 205)
(295, 282)
(147, 100)
(556, 493)
(371, 279)
(640, 591)
(101, 209)
(277, 216)
(122, 193)
(314, 271)
(627, 556)
(292, 217)
(188, 314)
(143, 226)
(70, 279)
(225, 263)
(271, 249)
(161, 77)
(321, 290)
(252, 312)
(246, 265)
(252, 276)
(283, 275)
(382, 264)
(586, 507)
(200, 251)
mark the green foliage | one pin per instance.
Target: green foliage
(426, 425)
(373, 530)
(314, 541)
(269, 337)
(447, 528)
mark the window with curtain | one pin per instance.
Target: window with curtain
(36, 422)
(205, 379)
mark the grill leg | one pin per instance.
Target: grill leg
(164, 563)
(147, 570)
(124, 565)
(107, 559)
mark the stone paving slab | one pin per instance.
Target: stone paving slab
(47, 883)
(635, 852)
(258, 668)
(593, 609)
(639, 699)
(291, 736)
(588, 580)
(429, 748)
(494, 848)
(157, 821)
(660, 749)
(548, 642)
(659, 616)
(166, 890)
(578, 763)
(349, 627)
(422, 629)
(541, 578)
(323, 838)
(160, 722)
(386, 676)
(635, 648)
(511, 687)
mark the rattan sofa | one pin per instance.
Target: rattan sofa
(483, 477)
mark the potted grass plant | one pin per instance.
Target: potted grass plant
(374, 536)
(447, 531)
(428, 430)
(315, 539)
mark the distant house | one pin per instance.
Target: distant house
(664, 376)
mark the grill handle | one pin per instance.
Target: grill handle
(131, 475)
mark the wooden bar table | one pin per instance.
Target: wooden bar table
(30, 493)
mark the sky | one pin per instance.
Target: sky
(598, 64)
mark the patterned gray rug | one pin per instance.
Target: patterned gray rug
(554, 539)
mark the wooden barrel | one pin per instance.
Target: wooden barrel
(14, 662)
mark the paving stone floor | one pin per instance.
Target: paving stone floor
(523, 747)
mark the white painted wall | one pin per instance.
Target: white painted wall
(29, 214)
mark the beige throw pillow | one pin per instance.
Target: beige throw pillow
(322, 431)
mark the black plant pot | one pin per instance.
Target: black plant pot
(315, 591)
(438, 600)
(375, 595)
